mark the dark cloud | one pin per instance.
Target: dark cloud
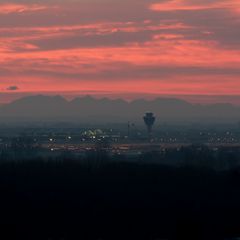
(80, 41)
(12, 88)
(136, 73)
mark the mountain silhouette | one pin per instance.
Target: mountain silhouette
(90, 110)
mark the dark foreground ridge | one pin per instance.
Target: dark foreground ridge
(117, 200)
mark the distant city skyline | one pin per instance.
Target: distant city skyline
(121, 49)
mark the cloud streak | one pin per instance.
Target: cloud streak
(12, 88)
(20, 8)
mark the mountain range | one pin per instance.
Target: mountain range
(91, 110)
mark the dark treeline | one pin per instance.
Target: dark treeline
(98, 198)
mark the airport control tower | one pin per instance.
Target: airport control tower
(149, 120)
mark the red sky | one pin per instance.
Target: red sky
(138, 47)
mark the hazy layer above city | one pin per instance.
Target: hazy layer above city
(90, 110)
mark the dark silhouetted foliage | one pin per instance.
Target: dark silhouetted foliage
(79, 199)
